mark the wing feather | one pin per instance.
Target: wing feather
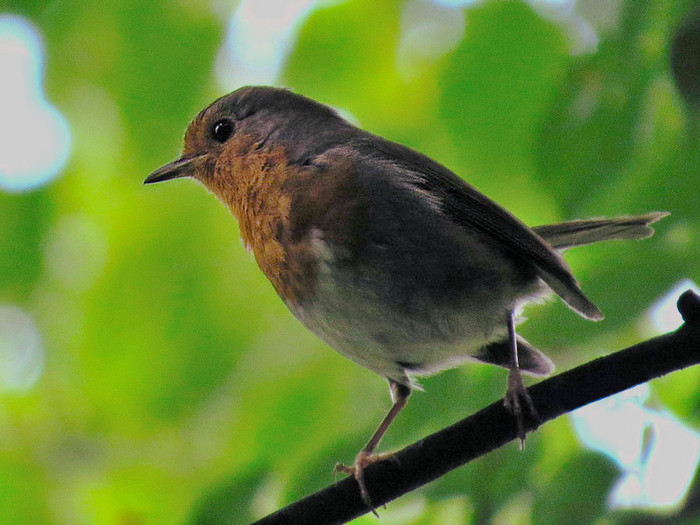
(473, 211)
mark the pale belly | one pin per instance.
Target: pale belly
(421, 332)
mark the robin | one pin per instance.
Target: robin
(383, 253)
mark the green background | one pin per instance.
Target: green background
(177, 387)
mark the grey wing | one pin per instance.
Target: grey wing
(471, 210)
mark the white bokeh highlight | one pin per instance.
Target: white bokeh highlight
(259, 36)
(429, 30)
(21, 350)
(664, 314)
(657, 455)
(34, 136)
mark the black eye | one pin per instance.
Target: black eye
(222, 130)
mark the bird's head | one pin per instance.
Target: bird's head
(248, 125)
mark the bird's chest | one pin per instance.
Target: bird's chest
(288, 263)
(261, 205)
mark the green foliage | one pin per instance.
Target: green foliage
(177, 388)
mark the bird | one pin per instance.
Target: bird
(386, 255)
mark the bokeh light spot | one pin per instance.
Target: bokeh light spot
(657, 455)
(615, 425)
(76, 252)
(428, 31)
(258, 39)
(583, 36)
(664, 314)
(34, 136)
(21, 350)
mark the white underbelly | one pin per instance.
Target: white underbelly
(425, 338)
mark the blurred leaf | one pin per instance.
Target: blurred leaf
(563, 502)
(231, 501)
(497, 85)
(613, 134)
(23, 491)
(22, 228)
(685, 66)
(343, 46)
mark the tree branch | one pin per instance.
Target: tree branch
(494, 426)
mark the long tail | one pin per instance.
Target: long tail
(577, 233)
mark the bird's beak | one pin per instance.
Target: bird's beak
(183, 167)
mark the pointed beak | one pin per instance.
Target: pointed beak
(182, 167)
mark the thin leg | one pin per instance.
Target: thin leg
(516, 387)
(366, 456)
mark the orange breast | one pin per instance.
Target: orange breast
(251, 184)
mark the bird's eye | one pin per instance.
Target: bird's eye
(222, 130)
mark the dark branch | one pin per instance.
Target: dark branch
(494, 426)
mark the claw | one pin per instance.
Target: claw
(357, 470)
(516, 392)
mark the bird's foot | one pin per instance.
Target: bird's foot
(515, 394)
(357, 470)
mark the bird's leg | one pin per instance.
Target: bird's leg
(366, 456)
(516, 389)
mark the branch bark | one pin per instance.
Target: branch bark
(494, 426)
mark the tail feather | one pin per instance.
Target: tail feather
(579, 232)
